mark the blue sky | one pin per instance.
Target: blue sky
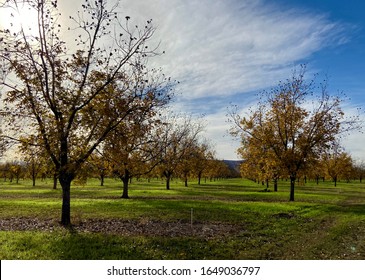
(344, 63)
(224, 52)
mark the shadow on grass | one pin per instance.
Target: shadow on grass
(357, 209)
(84, 246)
(101, 246)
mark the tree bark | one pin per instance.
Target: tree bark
(168, 179)
(34, 175)
(168, 175)
(292, 185)
(65, 181)
(55, 181)
(275, 185)
(101, 180)
(125, 180)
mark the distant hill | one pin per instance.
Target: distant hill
(233, 165)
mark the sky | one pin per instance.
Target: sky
(226, 52)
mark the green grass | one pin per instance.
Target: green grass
(325, 222)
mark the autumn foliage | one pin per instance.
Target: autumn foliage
(71, 96)
(292, 127)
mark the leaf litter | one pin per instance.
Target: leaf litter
(141, 227)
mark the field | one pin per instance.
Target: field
(227, 219)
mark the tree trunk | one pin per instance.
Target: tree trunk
(102, 180)
(199, 177)
(275, 185)
(168, 179)
(55, 181)
(125, 180)
(292, 185)
(65, 181)
(34, 175)
(168, 175)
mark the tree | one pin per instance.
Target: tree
(177, 140)
(259, 163)
(34, 156)
(16, 170)
(73, 94)
(218, 169)
(317, 170)
(338, 164)
(133, 149)
(202, 156)
(294, 134)
(195, 161)
(101, 165)
(359, 169)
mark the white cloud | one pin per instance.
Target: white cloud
(217, 48)
(217, 132)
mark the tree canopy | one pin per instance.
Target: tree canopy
(293, 124)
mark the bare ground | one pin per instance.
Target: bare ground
(125, 227)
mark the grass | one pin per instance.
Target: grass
(325, 222)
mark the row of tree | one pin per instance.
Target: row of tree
(37, 168)
(335, 165)
(167, 149)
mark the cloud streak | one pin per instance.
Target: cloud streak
(217, 48)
